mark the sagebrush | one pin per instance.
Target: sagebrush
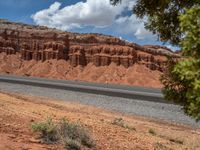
(73, 136)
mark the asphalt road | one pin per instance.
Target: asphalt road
(147, 94)
(135, 103)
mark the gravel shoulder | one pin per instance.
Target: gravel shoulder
(166, 112)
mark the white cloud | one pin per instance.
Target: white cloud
(96, 13)
(133, 25)
(43, 17)
(122, 20)
(173, 48)
(142, 33)
(130, 5)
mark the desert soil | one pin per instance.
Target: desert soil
(137, 75)
(18, 112)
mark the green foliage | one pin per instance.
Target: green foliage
(162, 16)
(47, 130)
(152, 131)
(182, 82)
(174, 88)
(72, 145)
(72, 135)
(190, 26)
(74, 132)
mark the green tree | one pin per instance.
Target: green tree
(177, 22)
(182, 81)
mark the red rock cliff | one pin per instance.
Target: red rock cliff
(41, 43)
(34, 44)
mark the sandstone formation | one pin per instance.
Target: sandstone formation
(39, 44)
(34, 45)
(102, 55)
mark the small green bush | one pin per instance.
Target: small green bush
(72, 135)
(74, 131)
(130, 127)
(70, 144)
(119, 122)
(47, 130)
(152, 131)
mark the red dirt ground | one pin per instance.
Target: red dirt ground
(17, 112)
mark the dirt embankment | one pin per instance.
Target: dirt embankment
(138, 75)
(17, 112)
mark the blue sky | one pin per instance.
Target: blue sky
(85, 16)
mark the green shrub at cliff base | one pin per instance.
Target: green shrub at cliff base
(182, 83)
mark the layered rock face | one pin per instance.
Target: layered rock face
(34, 45)
(102, 50)
(7, 45)
(102, 55)
(41, 43)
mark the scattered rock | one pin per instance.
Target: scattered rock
(32, 120)
(33, 140)
(12, 136)
(25, 148)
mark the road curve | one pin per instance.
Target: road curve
(140, 93)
